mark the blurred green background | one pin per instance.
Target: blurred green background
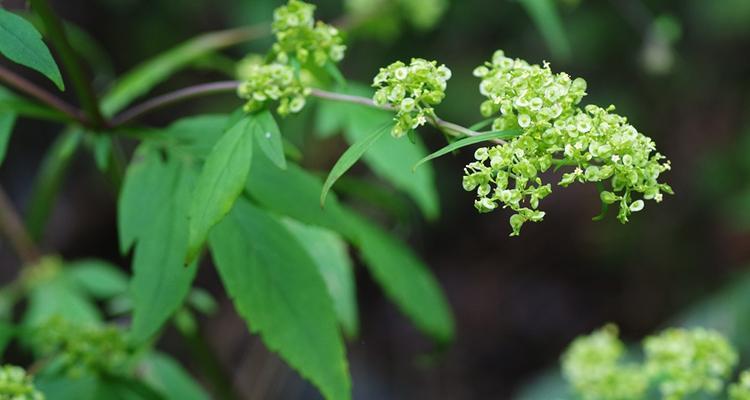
(679, 69)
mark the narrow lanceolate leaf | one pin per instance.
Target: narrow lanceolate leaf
(467, 141)
(161, 281)
(392, 159)
(145, 76)
(329, 252)
(278, 290)
(269, 139)
(350, 156)
(20, 42)
(147, 185)
(168, 377)
(49, 179)
(221, 180)
(7, 121)
(388, 158)
(547, 19)
(406, 281)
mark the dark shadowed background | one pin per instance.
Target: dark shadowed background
(680, 71)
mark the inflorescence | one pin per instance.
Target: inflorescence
(301, 42)
(554, 131)
(679, 362)
(412, 90)
(15, 384)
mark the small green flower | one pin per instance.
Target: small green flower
(687, 362)
(413, 90)
(271, 82)
(597, 144)
(15, 384)
(299, 36)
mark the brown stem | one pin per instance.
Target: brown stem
(231, 86)
(170, 98)
(12, 227)
(29, 88)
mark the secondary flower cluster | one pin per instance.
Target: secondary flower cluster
(17, 385)
(82, 349)
(412, 90)
(298, 35)
(680, 362)
(272, 82)
(741, 389)
(592, 364)
(300, 42)
(554, 131)
(689, 362)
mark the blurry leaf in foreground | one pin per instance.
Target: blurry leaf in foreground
(547, 19)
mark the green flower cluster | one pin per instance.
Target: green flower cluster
(554, 131)
(15, 384)
(687, 362)
(80, 349)
(300, 41)
(412, 90)
(299, 36)
(593, 366)
(271, 82)
(741, 389)
(682, 363)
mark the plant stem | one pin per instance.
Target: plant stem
(12, 227)
(177, 96)
(231, 86)
(81, 84)
(29, 88)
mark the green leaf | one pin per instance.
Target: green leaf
(57, 387)
(350, 156)
(298, 197)
(269, 137)
(161, 281)
(144, 77)
(98, 278)
(102, 148)
(406, 280)
(202, 301)
(392, 159)
(221, 181)
(146, 187)
(389, 158)
(276, 287)
(467, 141)
(22, 43)
(548, 21)
(329, 252)
(7, 120)
(59, 298)
(49, 179)
(170, 379)
(195, 135)
(330, 118)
